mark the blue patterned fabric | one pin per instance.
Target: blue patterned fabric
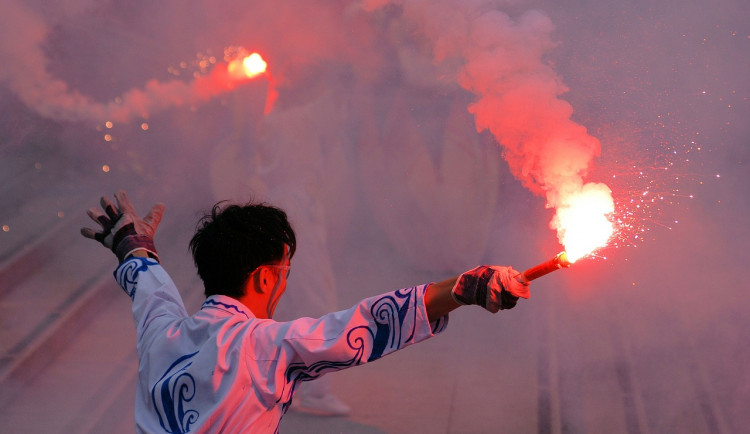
(126, 274)
(224, 369)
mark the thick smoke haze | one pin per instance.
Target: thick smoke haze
(499, 59)
(409, 141)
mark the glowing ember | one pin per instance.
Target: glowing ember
(582, 221)
(254, 65)
(247, 67)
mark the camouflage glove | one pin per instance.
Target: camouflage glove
(492, 287)
(123, 231)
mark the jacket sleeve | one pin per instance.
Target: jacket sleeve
(154, 295)
(301, 350)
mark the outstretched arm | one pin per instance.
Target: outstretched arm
(438, 299)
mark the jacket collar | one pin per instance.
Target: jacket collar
(227, 304)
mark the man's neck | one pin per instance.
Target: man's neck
(256, 304)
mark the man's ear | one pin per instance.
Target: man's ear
(253, 284)
(262, 280)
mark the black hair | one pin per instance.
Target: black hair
(230, 243)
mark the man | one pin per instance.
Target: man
(229, 367)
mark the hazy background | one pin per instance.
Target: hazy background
(372, 148)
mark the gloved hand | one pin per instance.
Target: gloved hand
(492, 287)
(123, 231)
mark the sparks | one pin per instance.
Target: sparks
(652, 181)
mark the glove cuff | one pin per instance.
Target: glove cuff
(131, 243)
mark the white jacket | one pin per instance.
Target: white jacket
(223, 369)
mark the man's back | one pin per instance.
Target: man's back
(224, 369)
(194, 375)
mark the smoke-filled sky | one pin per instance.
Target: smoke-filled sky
(422, 137)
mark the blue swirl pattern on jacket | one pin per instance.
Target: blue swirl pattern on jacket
(390, 315)
(126, 274)
(170, 394)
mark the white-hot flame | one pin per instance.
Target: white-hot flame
(582, 220)
(247, 67)
(254, 65)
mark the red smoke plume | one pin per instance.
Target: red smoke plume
(518, 100)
